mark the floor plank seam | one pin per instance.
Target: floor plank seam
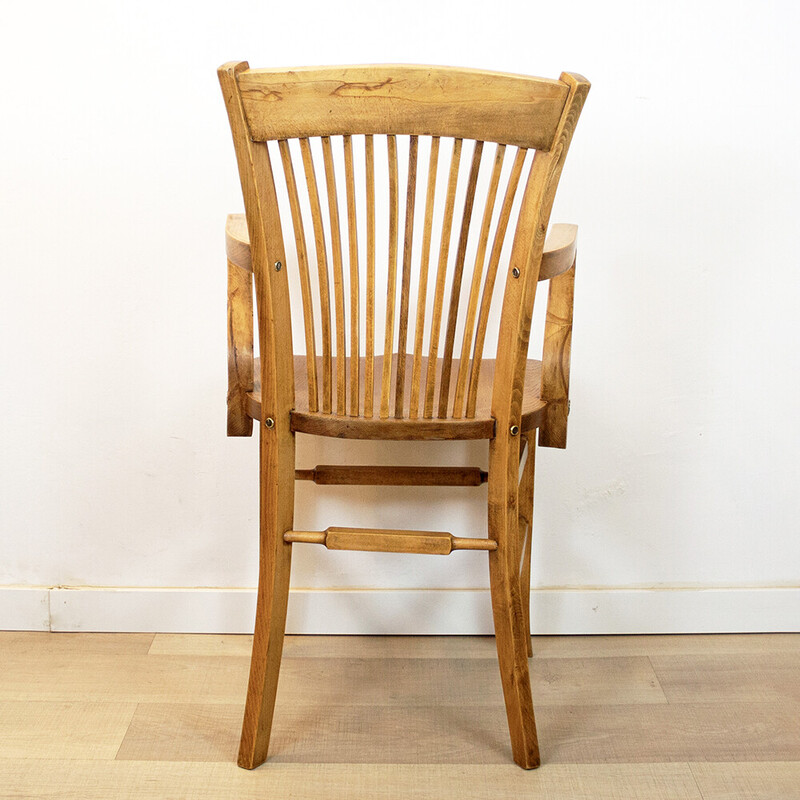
(696, 782)
(658, 680)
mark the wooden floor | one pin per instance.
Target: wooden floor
(111, 716)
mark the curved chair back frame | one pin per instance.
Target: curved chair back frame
(412, 379)
(421, 376)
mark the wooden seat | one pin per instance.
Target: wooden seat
(481, 426)
(395, 292)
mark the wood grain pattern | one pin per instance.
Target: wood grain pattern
(507, 395)
(37, 644)
(146, 678)
(405, 285)
(357, 714)
(766, 677)
(332, 475)
(455, 286)
(391, 279)
(389, 541)
(305, 278)
(355, 302)
(480, 426)
(558, 255)
(748, 781)
(241, 379)
(525, 536)
(402, 99)
(237, 241)
(722, 644)
(276, 445)
(148, 780)
(338, 276)
(441, 277)
(502, 402)
(475, 287)
(422, 289)
(62, 729)
(369, 375)
(636, 734)
(556, 359)
(322, 272)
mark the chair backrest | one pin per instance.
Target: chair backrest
(436, 371)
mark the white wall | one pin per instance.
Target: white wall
(117, 173)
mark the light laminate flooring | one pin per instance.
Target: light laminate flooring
(105, 716)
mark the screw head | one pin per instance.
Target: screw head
(514, 430)
(278, 266)
(515, 272)
(269, 422)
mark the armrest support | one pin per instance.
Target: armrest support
(559, 251)
(558, 338)
(240, 327)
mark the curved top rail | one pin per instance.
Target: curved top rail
(402, 99)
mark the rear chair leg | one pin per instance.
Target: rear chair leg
(276, 516)
(504, 578)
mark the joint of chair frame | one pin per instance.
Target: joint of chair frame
(558, 255)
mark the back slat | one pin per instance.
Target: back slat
(391, 280)
(322, 267)
(438, 371)
(405, 290)
(338, 277)
(369, 363)
(455, 289)
(422, 291)
(477, 274)
(441, 274)
(491, 275)
(305, 281)
(352, 239)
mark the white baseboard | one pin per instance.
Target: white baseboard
(401, 611)
(24, 608)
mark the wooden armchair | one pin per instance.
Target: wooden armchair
(429, 380)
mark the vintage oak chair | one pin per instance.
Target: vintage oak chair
(429, 379)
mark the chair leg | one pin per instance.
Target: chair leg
(276, 516)
(526, 536)
(512, 647)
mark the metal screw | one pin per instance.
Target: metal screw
(515, 272)
(514, 430)
(269, 422)
(278, 266)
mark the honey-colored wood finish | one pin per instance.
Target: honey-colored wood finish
(241, 377)
(390, 541)
(430, 380)
(402, 99)
(480, 426)
(557, 257)
(329, 475)
(556, 359)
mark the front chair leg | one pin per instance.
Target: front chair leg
(276, 516)
(504, 578)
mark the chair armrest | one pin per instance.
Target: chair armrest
(561, 244)
(559, 251)
(240, 326)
